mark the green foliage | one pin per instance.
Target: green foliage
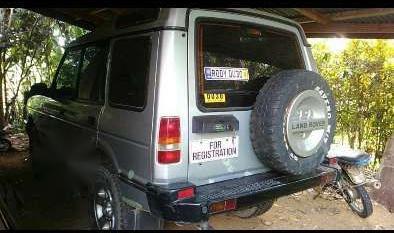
(362, 79)
(32, 56)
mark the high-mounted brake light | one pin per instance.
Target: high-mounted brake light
(169, 139)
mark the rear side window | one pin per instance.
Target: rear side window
(235, 60)
(129, 72)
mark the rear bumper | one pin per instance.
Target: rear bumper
(247, 190)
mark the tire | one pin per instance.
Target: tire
(254, 211)
(122, 214)
(273, 130)
(367, 207)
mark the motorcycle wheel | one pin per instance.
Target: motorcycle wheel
(359, 201)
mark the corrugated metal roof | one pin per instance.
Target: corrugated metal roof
(291, 13)
(286, 12)
(335, 10)
(343, 22)
(354, 25)
(382, 19)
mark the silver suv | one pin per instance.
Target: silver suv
(185, 113)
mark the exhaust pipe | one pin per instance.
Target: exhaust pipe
(376, 184)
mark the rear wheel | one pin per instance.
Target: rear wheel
(358, 199)
(107, 211)
(254, 211)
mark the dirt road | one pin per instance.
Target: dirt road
(304, 212)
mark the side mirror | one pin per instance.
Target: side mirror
(36, 89)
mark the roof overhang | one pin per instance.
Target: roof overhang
(316, 22)
(346, 22)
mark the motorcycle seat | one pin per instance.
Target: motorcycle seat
(348, 155)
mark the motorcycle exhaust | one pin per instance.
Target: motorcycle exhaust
(376, 184)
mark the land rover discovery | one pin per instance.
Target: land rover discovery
(186, 113)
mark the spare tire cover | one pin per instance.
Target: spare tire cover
(293, 121)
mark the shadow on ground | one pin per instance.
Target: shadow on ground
(49, 202)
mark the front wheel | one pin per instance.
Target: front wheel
(359, 201)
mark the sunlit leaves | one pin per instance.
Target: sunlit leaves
(362, 79)
(33, 56)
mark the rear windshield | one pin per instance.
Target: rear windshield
(234, 61)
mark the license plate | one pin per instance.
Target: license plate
(213, 149)
(226, 73)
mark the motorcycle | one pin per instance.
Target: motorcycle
(351, 179)
(5, 142)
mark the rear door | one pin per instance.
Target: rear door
(230, 58)
(125, 127)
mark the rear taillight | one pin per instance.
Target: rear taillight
(169, 139)
(185, 193)
(332, 161)
(222, 206)
(167, 157)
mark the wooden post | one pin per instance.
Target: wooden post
(385, 195)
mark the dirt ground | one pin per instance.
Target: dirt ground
(41, 204)
(304, 212)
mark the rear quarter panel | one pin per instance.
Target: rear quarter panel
(126, 134)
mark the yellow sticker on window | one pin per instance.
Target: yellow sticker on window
(214, 98)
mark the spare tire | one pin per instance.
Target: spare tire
(293, 121)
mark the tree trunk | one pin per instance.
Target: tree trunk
(385, 195)
(2, 81)
(6, 18)
(352, 138)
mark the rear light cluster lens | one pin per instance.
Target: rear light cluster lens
(226, 205)
(332, 161)
(169, 139)
(166, 157)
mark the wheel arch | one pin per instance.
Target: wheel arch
(107, 156)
